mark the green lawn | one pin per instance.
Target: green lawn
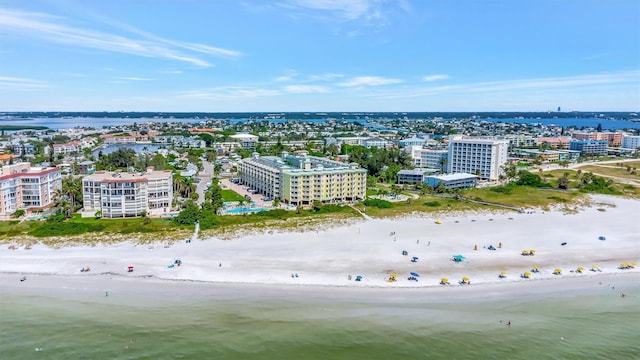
(230, 195)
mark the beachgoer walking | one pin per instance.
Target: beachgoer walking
(106, 293)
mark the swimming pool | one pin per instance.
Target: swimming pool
(244, 210)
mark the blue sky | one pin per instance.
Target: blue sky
(319, 55)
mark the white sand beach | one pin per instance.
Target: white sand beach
(372, 249)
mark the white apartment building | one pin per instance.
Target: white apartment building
(120, 194)
(23, 187)
(631, 141)
(428, 158)
(478, 156)
(301, 179)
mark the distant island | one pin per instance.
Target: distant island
(4, 128)
(618, 115)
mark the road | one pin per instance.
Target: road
(205, 178)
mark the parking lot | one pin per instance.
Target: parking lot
(258, 199)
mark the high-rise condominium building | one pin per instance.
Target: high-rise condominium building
(23, 187)
(301, 179)
(478, 156)
(123, 194)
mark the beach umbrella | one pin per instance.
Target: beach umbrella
(525, 252)
(444, 281)
(557, 271)
(623, 266)
(580, 269)
(526, 274)
(595, 268)
(415, 274)
(632, 264)
(532, 251)
(503, 273)
(465, 279)
(535, 268)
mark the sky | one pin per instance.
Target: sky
(319, 55)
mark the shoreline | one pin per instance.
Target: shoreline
(156, 292)
(332, 258)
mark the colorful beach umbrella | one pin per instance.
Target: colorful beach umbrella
(580, 269)
(415, 274)
(535, 268)
(465, 279)
(526, 274)
(444, 281)
(557, 271)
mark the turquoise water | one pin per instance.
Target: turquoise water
(244, 210)
(283, 325)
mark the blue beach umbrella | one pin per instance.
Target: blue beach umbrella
(415, 274)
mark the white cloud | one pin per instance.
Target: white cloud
(148, 45)
(21, 84)
(325, 77)
(369, 81)
(133, 78)
(436, 77)
(230, 92)
(539, 84)
(349, 9)
(305, 89)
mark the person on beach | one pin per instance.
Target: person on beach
(509, 323)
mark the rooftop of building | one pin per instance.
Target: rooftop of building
(119, 176)
(451, 177)
(417, 171)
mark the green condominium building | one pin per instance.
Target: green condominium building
(301, 179)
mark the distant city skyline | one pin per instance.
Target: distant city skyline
(319, 55)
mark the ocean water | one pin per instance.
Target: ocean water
(600, 325)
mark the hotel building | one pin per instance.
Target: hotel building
(478, 156)
(589, 147)
(23, 187)
(120, 194)
(300, 179)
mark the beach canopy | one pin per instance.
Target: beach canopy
(415, 274)
(526, 274)
(557, 271)
(465, 279)
(444, 281)
(535, 268)
(580, 269)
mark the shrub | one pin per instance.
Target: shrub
(379, 203)
(433, 203)
(503, 190)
